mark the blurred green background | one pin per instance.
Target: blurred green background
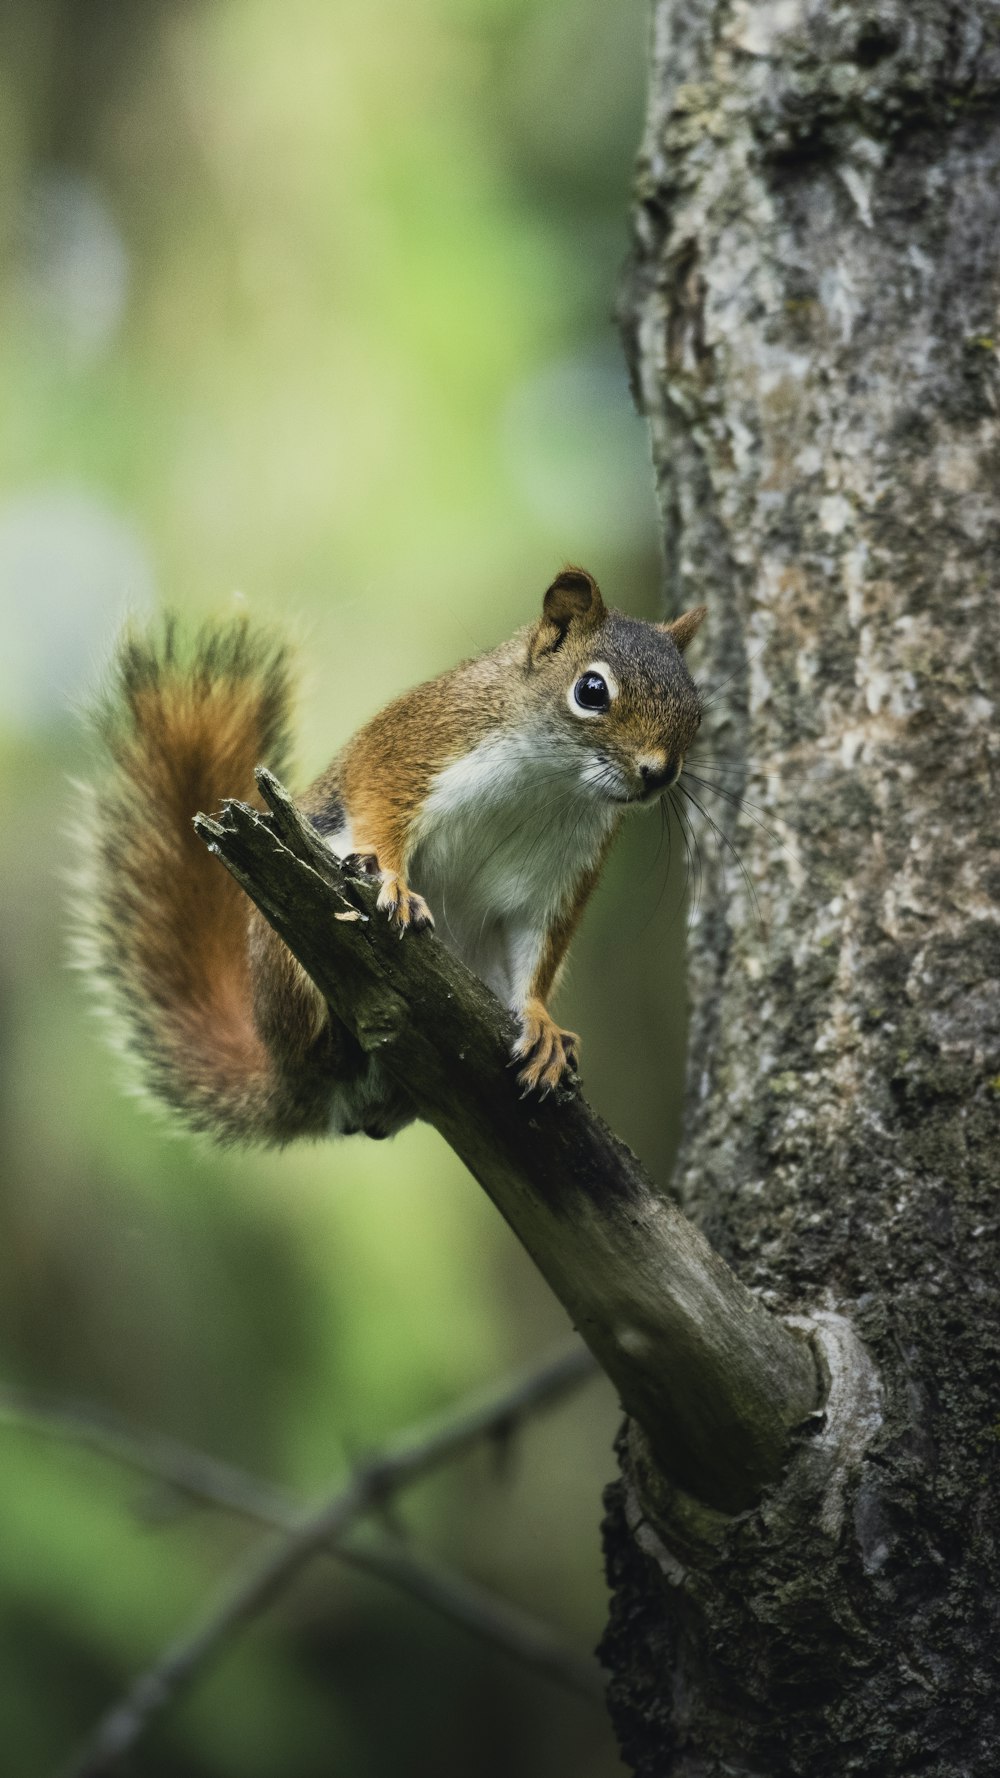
(306, 307)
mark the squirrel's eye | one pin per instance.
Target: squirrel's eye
(591, 692)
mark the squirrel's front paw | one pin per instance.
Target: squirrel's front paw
(548, 1052)
(405, 908)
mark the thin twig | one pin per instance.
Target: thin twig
(374, 1482)
(189, 1471)
(481, 1612)
(203, 1478)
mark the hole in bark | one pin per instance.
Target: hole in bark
(874, 45)
(799, 154)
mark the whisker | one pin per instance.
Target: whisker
(659, 848)
(666, 832)
(692, 854)
(727, 842)
(740, 802)
(717, 763)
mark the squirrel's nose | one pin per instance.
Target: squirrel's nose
(658, 776)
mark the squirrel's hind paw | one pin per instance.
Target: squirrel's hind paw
(548, 1052)
(405, 908)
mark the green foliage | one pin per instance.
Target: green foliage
(306, 309)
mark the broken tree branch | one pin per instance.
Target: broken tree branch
(716, 1382)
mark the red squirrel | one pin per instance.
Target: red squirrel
(485, 801)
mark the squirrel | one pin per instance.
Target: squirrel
(484, 801)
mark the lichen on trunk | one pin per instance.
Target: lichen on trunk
(811, 319)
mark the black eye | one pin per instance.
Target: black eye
(591, 692)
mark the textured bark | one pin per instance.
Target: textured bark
(812, 322)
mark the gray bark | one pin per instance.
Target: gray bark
(812, 322)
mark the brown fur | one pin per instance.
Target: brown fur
(545, 1047)
(560, 934)
(385, 771)
(227, 1027)
(166, 927)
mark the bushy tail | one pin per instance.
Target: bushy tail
(165, 926)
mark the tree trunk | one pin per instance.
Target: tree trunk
(812, 321)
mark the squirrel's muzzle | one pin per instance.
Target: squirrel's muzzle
(657, 773)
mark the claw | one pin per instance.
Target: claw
(403, 907)
(548, 1053)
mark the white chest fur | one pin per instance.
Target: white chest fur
(501, 842)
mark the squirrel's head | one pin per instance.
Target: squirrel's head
(620, 690)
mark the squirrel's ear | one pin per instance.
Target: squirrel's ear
(684, 627)
(574, 598)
